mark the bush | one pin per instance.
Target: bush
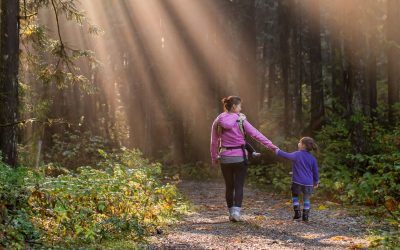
(276, 176)
(361, 165)
(73, 149)
(198, 171)
(122, 197)
(15, 226)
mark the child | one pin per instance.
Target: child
(305, 175)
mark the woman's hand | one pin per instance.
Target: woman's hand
(214, 163)
(316, 185)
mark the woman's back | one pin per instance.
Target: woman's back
(229, 130)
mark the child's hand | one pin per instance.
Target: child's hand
(316, 185)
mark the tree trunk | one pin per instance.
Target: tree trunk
(338, 91)
(371, 76)
(247, 80)
(283, 19)
(9, 60)
(298, 65)
(393, 54)
(317, 91)
(271, 83)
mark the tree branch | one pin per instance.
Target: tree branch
(48, 121)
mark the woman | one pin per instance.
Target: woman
(228, 147)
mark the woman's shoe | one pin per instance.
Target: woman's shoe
(230, 213)
(235, 214)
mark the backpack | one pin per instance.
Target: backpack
(247, 146)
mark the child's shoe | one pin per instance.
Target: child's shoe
(305, 214)
(297, 212)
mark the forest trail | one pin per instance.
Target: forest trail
(267, 223)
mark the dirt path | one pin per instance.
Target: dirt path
(267, 224)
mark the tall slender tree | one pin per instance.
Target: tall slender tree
(317, 90)
(283, 20)
(393, 54)
(247, 80)
(9, 60)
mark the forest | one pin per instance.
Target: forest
(118, 97)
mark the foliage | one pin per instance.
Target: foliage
(198, 171)
(73, 149)
(50, 60)
(15, 226)
(370, 176)
(276, 175)
(359, 163)
(123, 198)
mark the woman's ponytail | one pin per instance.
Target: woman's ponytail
(229, 101)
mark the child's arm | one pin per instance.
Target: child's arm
(253, 132)
(290, 156)
(315, 173)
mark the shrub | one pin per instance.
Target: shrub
(15, 227)
(366, 173)
(74, 149)
(123, 199)
(276, 175)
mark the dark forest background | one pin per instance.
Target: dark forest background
(163, 67)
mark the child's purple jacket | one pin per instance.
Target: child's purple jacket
(304, 168)
(232, 135)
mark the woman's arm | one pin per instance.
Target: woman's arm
(290, 156)
(214, 142)
(253, 132)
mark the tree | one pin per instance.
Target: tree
(247, 79)
(9, 61)
(283, 20)
(393, 54)
(317, 90)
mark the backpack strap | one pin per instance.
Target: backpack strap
(240, 121)
(241, 126)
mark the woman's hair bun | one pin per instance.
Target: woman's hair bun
(229, 101)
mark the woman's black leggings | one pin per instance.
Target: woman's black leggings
(234, 175)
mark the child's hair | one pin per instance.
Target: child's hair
(229, 101)
(309, 143)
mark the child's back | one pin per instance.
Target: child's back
(305, 168)
(305, 175)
